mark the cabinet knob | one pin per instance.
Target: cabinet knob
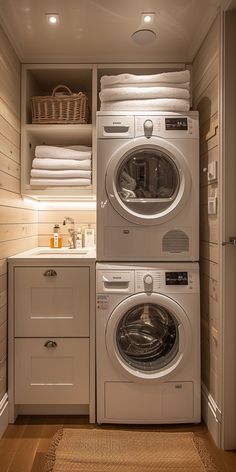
(50, 344)
(50, 273)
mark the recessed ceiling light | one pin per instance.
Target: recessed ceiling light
(52, 18)
(147, 17)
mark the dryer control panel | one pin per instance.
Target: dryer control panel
(182, 126)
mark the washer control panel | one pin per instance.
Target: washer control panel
(148, 281)
(166, 281)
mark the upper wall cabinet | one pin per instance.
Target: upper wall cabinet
(57, 175)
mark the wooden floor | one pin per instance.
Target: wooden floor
(24, 444)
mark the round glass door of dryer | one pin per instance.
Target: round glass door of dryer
(148, 184)
(147, 181)
(148, 336)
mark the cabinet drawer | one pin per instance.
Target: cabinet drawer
(51, 301)
(52, 375)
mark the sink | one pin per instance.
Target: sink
(62, 251)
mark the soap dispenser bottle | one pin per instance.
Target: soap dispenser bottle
(56, 239)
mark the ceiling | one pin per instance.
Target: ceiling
(100, 30)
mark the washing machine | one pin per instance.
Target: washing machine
(148, 343)
(147, 186)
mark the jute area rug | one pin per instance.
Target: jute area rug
(94, 450)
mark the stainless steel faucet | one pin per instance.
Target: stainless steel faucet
(71, 231)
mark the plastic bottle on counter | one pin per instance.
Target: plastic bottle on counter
(89, 234)
(79, 238)
(56, 239)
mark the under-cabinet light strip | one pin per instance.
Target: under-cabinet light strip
(67, 205)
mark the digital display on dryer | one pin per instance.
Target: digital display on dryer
(176, 278)
(176, 124)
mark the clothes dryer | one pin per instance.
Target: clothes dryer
(148, 343)
(147, 186)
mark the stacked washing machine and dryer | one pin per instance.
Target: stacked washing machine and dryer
(148, 313)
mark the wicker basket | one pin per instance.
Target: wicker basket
(60, 108)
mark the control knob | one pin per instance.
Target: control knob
(148, 279)
(148, 126)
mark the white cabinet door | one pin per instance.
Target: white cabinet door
(51, 301)
(52, 375)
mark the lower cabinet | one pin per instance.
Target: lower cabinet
(51, 337)
(52, 371)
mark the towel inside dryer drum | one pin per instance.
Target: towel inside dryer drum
(147, 174)
(147, 337)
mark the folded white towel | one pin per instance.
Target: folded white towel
(56, 152)
(80, 148)
(156, 104)
(58, 174)
(53, 164)
(131, 79)
(60, 182)
(182, 85)
(134, 93)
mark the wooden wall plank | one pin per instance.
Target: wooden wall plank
(3, 266)
(9, 166)
(9, 248)
(206, 54)
(207, 103)
(17, 231)
(209, 74)
(16, 215)
(8, 131)
(9, 149)
(8, 199)
(57, 216)
(9, 115)
(7, 182)
(3, 314)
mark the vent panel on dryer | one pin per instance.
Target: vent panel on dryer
(175, 242)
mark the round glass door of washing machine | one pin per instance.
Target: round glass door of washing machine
(148, 184)
(148, 336)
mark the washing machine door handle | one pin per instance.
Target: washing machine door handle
(181, 338)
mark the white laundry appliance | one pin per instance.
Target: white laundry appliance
(148, 343)
(147, 186)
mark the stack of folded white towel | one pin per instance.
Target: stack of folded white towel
(169, 91)
(65, 166)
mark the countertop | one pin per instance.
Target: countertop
(47, 255)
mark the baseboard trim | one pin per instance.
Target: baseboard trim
(3, 414)
(52, 410)
(211, 415)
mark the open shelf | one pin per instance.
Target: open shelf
(41, 79)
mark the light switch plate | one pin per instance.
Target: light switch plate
(212, 171)
(212, 205)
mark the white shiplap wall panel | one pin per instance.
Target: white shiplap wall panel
(205, 80)
(18, 220)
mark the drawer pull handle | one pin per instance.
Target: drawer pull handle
(50, 273)
(50, 344)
